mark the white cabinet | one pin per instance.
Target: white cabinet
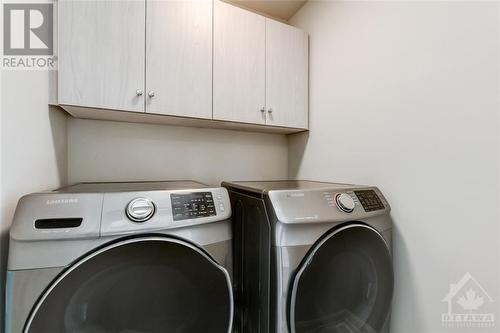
(184, 62)
(179, 58)
(287, 55)
(239, 64)
(101, 54)
(109, 61)
(260, 69)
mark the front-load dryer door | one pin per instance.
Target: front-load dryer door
(153, 284)
(344, 284)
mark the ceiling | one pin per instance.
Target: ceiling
(280, 9)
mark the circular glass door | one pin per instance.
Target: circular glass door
(153, 284)
(345, 283)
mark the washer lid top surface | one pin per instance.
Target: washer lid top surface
(110, 187)
(282, 185)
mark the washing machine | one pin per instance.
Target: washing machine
(311, 257)
(121, 257)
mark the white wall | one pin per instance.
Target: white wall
(33, 147)
(112, 151)
(404, 95)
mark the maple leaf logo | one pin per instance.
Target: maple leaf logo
(470, 301)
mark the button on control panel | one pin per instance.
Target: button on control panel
(369, 200)
(345, 201)
(140, 209)
(192, 205)
(220, 203)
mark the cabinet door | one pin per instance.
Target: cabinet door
(287, 59)
(239, 64)
(179, 57)
(101, 54)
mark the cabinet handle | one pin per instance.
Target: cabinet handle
(139, 92)
(270, 110)
(263, 109)
(151, 93)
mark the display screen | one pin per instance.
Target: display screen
(192, 205)
(369, 200)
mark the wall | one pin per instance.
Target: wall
(404, 95)
(33, 146)
(112, 151)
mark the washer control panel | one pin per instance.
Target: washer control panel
(192, 205)
(369, 200)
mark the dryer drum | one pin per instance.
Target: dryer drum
(149, 284)
(345, 284)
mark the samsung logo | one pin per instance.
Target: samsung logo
(295, 195)
(61, 201)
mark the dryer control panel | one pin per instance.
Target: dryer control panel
(328, 204)
(369, 200)
(192, 205)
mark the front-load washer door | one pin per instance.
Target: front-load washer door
(153, 284)
(344, 284)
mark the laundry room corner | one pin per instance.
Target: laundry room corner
(406, 95)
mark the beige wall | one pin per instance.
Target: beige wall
(404, 95)
(113, 151)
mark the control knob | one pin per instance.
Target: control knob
(140, 209)
(345, 202)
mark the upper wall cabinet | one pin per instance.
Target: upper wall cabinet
(239, 64)
(287, 55)
(182, 62)
(260, 69)
(101, 54)
(179, 58)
